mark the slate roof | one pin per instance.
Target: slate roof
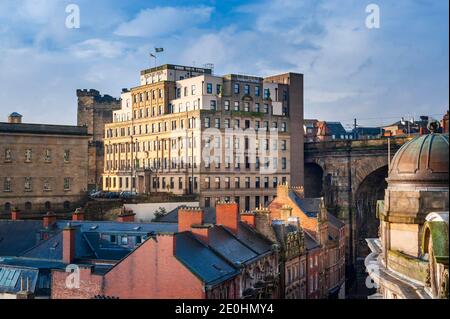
(16, 237)
(43, 129)
(310, 206)
(310, 242)
(229, 247)
(334, 221)
(201, 260)
(172, 216)
(336, 128)
(90, 245)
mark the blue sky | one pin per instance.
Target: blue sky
(375, 75)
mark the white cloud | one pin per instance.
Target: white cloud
(97, 48)
(163, 20)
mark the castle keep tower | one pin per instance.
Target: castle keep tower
(94, 111)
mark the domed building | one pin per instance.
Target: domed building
(410, 259)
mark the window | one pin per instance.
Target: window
(180, 183)
(217, 182)
(266, 94)
(66, 183)
(257, 182)
(236, 106)
(217, 123)
(48, 206)
(66, 156)
(257, 108)
(219, 89)
(207, 202)
(28, 206)
(257, 91)
(207, 182)
(28, 184)
(236, 88)
(246, 107)
(247, 182)
(47, 186)
(266, 108)
(266, 182)
(213, 105)
(284, 127)
(283, 163)
(227, 105)
(193, 89)
(28, 155)
(7, 184)
(66, 205)
(209, 88)
(247, 89)
(283, 145)
(237, 182)
(227, 123)
(227, 183)
(207, 122)
(275, 182)
(237, 123)
(48, 156)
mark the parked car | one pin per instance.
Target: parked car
(128, 195)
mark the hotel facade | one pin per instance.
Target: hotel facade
(186, 131)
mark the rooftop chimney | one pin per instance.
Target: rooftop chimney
(15, 118)
(78, 215)
(202, 232)
(69, 237)
(15, 214)
(49, 220)
(248, 218)
(189, 216)
(227, 214)
(126, 216)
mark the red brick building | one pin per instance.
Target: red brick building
(226, 260)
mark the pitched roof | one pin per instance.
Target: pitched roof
(16, 237)
(310, 242)
(229, 247)
(201, 260)
(89, 243)
(334, 221)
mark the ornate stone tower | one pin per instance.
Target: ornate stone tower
(94, 111)
(411, 244)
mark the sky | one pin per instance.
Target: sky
(377, 75)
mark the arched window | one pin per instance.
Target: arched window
(48, 205)
(66, 205)
(28, 206)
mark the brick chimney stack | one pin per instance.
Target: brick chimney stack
(227, 215)
(78, 215)
(69, 238)
(15, 214)
(249, 219)
(49, 220)
(126, 216)
(202, 232)
(188, 216)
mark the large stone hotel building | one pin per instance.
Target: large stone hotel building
(172, 134)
